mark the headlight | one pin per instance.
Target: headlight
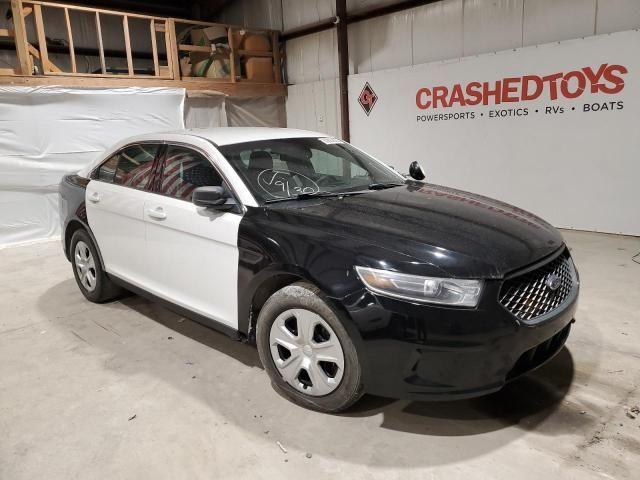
(446, 291)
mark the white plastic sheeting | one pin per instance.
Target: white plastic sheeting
(46, 132)
(204, 111)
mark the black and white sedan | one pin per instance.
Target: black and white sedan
(349, 277)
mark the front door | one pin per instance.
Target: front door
(193, 250)
(114, 201)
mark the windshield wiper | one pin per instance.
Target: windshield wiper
(305, 196)
(382, 186)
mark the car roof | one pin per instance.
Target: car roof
(230, 135)
(219, 136)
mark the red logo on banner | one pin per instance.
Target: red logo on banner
(367, 98)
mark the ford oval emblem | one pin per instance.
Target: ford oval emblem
(553, 282)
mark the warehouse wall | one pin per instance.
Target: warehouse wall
(444, 30)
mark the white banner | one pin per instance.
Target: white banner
(554, 129)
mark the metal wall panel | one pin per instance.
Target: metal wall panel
(492, 25)
(617, 15)
(359, 48)
(312, 57)
(390, 38)
(299, 13)
(437, 31)
(314, 106)
(550, 20)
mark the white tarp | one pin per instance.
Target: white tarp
(562, 142)
(46, 132)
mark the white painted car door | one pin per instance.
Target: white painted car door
(115, 201)
(193, 250)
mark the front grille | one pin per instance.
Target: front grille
(536, 356)
(529, 296)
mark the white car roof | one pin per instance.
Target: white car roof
(219, 136)
(230, 135)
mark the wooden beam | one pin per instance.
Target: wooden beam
(24, 59)
(154, 48)
(42, 38)
(194, 48)
(232, 54)
(127, 43)
(72, 52)
(7, 71)
(7, 32)
(51, 67)
(94, 10)
(172, 48)
(26, 11)
(103, 65)
(254, 53)
(277, 59)
(239, 89)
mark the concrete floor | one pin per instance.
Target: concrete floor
(131, 390)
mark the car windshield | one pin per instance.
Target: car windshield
(296, 168)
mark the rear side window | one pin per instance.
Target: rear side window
(131, 167)
(185, 170)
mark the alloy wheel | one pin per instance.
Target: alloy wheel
(307, 352)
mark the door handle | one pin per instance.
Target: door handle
(94, 197)
(158, 213)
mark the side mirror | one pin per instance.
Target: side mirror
(416, 172)
(211, 197)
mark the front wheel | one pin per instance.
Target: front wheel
(306, 350)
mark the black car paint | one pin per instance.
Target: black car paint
(407, 350)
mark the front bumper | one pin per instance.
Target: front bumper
(428, 352)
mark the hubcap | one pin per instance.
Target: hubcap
(85, 266)
(306, 352)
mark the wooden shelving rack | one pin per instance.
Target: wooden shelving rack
(165, 74)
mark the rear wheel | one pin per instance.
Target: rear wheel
(306, 350)
(93, 282)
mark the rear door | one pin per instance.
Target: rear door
(193, 250)
(115, 199)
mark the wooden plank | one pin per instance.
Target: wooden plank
(42, 38)
(127, 44)
(172, 49)
(7, 32)
(33, 51)
(7, 71)
(194, 48)
(95, 10)
(232, 54)
(154, 48)
(72, 52)
(24, 59)
(239, 89)
(277, 59)
(103, 66)
(254, 53)
(26, 11)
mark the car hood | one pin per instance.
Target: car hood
(459, 233)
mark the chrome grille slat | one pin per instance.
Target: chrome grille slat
(528, 297)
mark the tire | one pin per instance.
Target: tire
(301, 317)
(92, 280)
